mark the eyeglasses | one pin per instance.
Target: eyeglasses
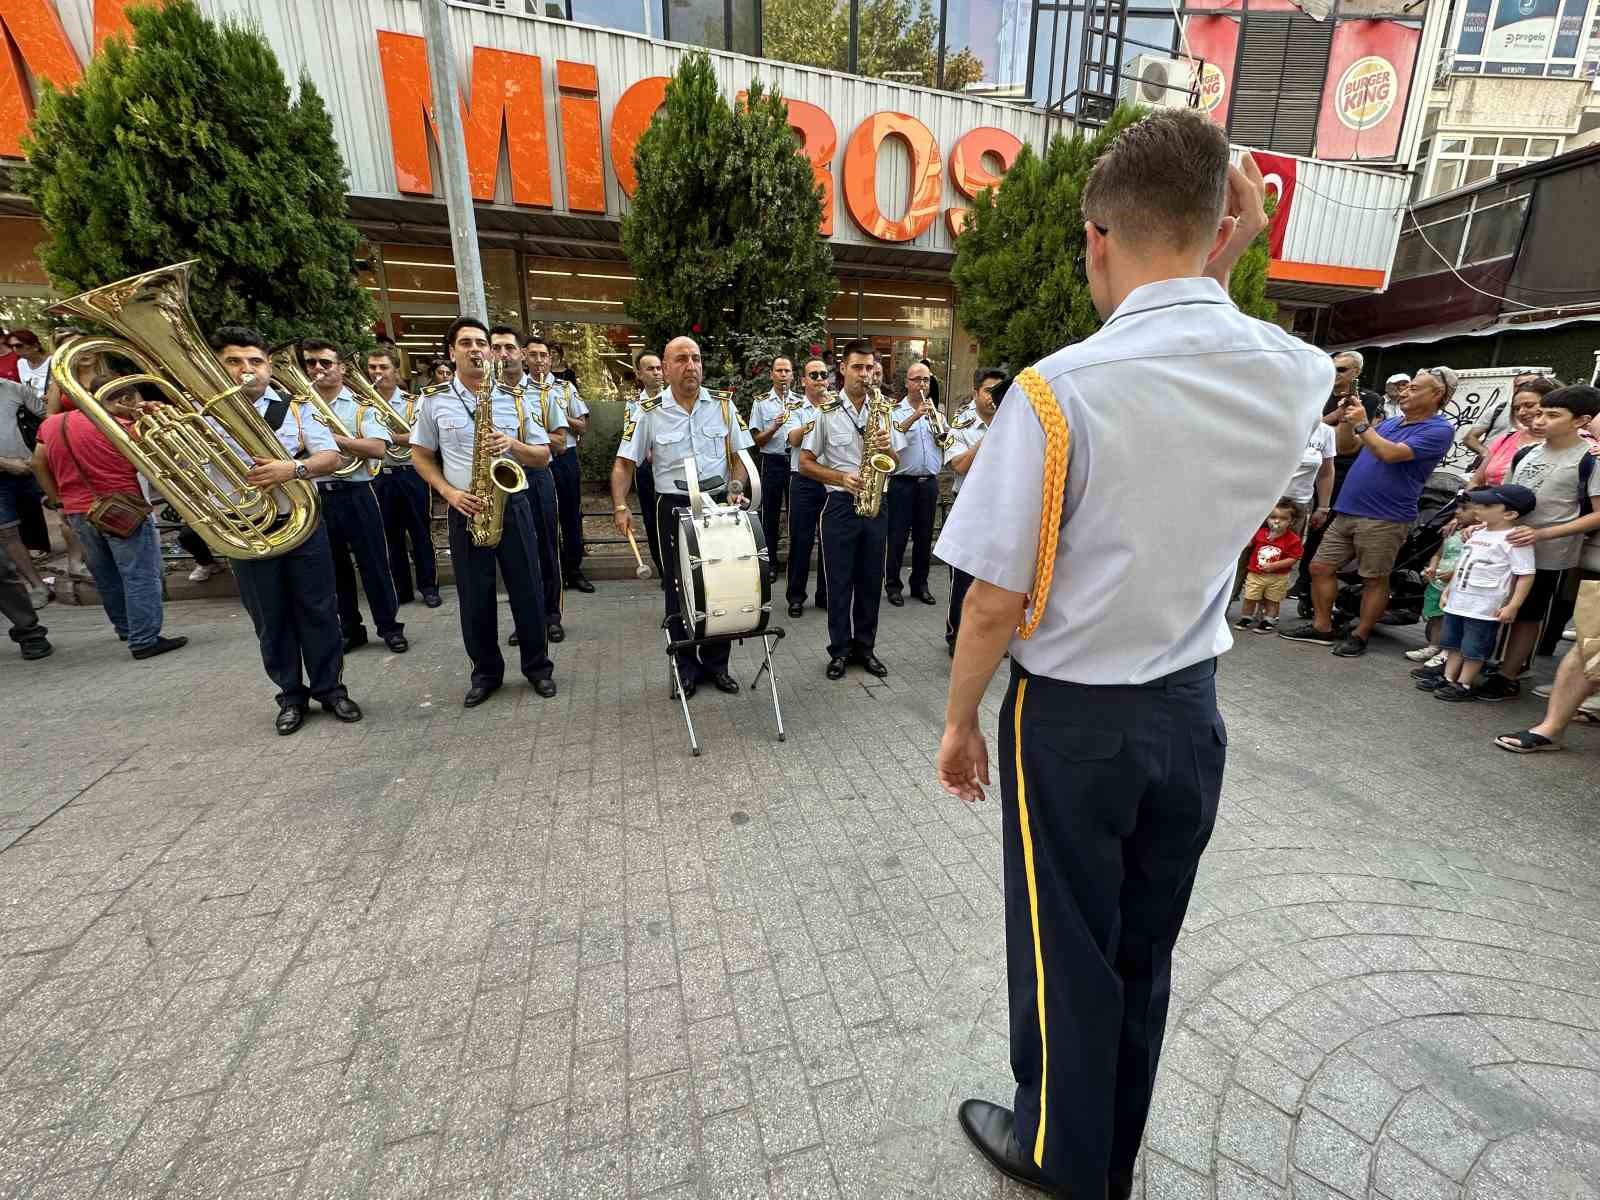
(816, 374)
(321, 364)
(14, 345)
(1081, 263)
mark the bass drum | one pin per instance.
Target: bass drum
(722, 572)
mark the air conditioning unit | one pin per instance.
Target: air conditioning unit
(1157, 82)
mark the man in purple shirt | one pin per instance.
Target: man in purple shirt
(1376, 507)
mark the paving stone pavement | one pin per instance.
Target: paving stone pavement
(536, 950)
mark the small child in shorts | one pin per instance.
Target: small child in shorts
(1438, 573)
(1274, 551)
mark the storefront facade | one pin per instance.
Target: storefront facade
(552, 111)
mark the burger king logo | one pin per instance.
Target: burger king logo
(1212, 85)
(1366, 92)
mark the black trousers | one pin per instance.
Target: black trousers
(294, 607)
(403, 498)
(355, 530)
(546, 522)
(644, 482)
(852, 561)
(806, 498)
(15, 605)
(774, 492)
(518, 558)
(713, 656)
(1108, 797)
(911, 501)
(960, 581)
(195, 547)
(569, 495)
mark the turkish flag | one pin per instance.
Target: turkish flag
(1279, 171)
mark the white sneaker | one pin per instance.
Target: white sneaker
(1569, 634)
(1422, 653)
(1438, 660)
(202, 572)
(1543, 691)
(39, 597)
(1591, 706)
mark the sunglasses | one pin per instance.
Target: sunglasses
(321, 364)
(816, 374)
(15, 345)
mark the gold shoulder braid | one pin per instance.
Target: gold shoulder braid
(433, 389)
(647, 405)
(1057, 441)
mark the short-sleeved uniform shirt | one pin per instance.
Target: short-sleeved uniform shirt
(447, 425)
(406, 405)
(923, 451)
(966, 431)
(801, 413)
(837, 440)
(1553, 477)
(540, 406)
(564, 395)
(301, 435)
(1382, 491)
(670, 433)
(763, 413)
(362, 422)
(1150, 540)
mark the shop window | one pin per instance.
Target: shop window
(1496, 229)
(419, 285)
(897, 40)
(19, 259)
(697, 22)
(791, 32)
(986, 47)
(1464, 161)
(634, 16)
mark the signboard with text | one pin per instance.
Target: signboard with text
(1364, 101)
(1540, 38)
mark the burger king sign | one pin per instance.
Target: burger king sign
(1366, 93)
(1213, 86)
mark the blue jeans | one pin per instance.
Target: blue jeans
(127, 573)
(1474, 637)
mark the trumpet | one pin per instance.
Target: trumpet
(288, 370)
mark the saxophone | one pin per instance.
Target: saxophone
(876, 465)
(493, 477)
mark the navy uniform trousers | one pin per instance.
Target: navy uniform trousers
(403, 497)
(518, 558)
(293, 605)
(713, 656)
(960, 581)
(806, 498)
(911, 501)
(644, 482)
(774, 491)
(541, 496)
(569, 496)
(1108, 797)
(852, 562)
(355, 528)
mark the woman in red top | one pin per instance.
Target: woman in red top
(76, 464)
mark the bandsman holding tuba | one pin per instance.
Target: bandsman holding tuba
(444, 444)
(290, 597)
(840, 452)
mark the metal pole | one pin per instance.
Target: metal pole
(453, 158)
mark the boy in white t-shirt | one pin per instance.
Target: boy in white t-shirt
(1491, 581)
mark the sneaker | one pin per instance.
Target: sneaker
(1438, 660)
(162, 645)
(204, 571)
(1267, 625)
(1428, 672)
(1432, 683)
(1245, 621)
(1351, 647)
(1591, 706)
(1543, 691)
(1306, 631)
(39, 597)
(1455, 693)
(1569, 634)
(1422, 653)
(1497, 687)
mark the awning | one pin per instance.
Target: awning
(1484, 326)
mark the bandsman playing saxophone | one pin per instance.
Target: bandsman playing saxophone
(838, 453)
(442, 447)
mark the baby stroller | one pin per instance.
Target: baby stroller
(1406, 585)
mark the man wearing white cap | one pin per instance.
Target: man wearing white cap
(1393, 389)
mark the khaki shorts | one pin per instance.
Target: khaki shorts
(1266, 587)
(1373, 544)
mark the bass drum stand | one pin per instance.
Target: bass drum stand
(769, 636)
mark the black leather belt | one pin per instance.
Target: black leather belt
(343, 485)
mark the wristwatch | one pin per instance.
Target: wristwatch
(1361, 427)
(300, 471)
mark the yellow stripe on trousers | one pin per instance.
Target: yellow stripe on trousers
(1033, 912)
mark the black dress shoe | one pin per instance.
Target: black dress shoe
(581, 583)
(430, 597)
(927, 597)
(553, 633)
(290, 718)
(688, 690)
(160, 646)
(992, 1130)
(545, 687)
(836, 668)
(725, 682)
(796, 609)
(355, 643)
(871, 665)
(397, 643)
(514, 639)
(478, 693)
(896, 599)
(344, 709)
(1119, 1187)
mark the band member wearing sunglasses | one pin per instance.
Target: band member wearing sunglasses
(806, 495)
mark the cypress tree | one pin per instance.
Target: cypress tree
(189, 144)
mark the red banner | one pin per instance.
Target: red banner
(1279, 171)
(1214, 41)
(1364, 100)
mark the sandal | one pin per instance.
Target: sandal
(1584, 717)
(1526, 742)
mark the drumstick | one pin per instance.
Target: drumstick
(642, 571)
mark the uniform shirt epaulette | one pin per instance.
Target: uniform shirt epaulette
(647, 405)
(433, 389)
(515, 389)
(829, 406)
(963, 422)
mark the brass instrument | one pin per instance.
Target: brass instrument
(367, 396)
(494, 478)
(876, 464)
(176, 445)
(288, 370)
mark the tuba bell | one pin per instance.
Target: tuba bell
(177, 445)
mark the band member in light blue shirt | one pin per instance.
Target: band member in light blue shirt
(768, 417)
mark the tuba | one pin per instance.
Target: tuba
(177, 445)
(494, 478)
(876, 465)
(369, 397)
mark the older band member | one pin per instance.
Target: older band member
(1111, 747)
(966, 433)
(350, 505)
(539, 357)
(806, 495)
(537, 409)
(768, 415)
(291, 598)
(651, 379)
(443, 442)
(913, 496)
(402, 495)
(834, 454)
(683, 421)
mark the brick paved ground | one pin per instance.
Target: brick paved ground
(537, 950)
